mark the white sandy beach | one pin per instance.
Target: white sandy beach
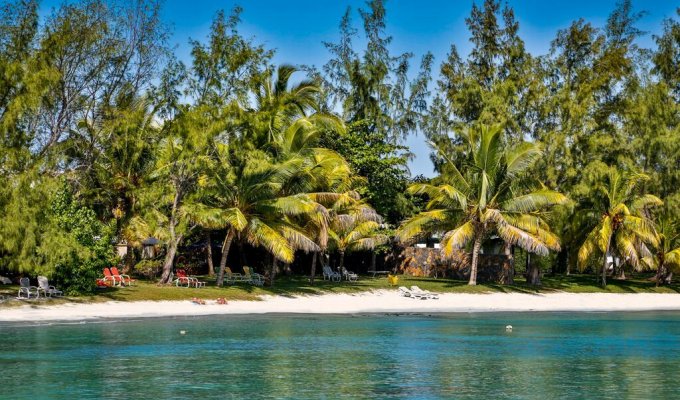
(371, 302)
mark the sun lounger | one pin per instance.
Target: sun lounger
(409, 293)
(252, 277)
(112, 280)
(424, 293)
(26, 290)
(233, 277)
(349, 275)
(124, 279)
(329, 274)
(374, 273)
(184, 279)
(48, 291)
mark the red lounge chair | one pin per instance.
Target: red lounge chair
(112, 280)
(184, 279)
(125, 279)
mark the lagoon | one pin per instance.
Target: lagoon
(439, 356)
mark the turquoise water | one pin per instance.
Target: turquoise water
(547, 356)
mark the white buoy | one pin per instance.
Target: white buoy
(508, 328)
(182, 332)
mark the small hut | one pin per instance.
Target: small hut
(149, 247)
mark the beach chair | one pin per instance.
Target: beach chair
(424, 293)
(374, 273)
(26, 290)
(408, 293)
(48, 291)
(349, 275)
(124, 279)
(184, 279)
(252, 277)
(232, 277)
(111, 279)
(329, 274)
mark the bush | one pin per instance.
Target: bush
(148, 268)
(77, 244)
(78, 277)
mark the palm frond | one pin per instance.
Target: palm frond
(625, 245)
(643, 228)
(642, 203)
(456, 239)
(535, 201)
(417, 226)
(261, 234)
(521, 157)
(588, 248)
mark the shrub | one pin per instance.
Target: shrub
(77, 244)
(148, 268)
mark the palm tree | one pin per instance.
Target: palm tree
(485, 197)
(666, 259)
(354, 226)
(246, 196)
(623, 225)
(277, 106)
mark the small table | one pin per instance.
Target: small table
(378, 272)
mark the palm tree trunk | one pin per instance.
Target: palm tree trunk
(342, 261)
(533, 272)
(508, 265)
(661, 274)
(209, 255)
(475, 259)
(242, 254)
(622, 272)
(275, 267)
(225, 253)
(311, 277)
(568, 265)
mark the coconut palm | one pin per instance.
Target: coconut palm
(354, 226)
(485, 197)
(246, 197)
(666, 258)
(623, 226)
(277, 105)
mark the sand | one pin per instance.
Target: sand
(383, 301)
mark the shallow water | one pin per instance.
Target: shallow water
(546, 356)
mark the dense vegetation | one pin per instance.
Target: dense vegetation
(105, 137)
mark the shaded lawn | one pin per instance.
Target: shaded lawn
(298, 285)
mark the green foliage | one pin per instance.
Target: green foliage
(85, 247)
(149, 269)
(98, 122)
(382, 162)
(485, 195)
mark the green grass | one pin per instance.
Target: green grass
(292, 286)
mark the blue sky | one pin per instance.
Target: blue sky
(297, 28)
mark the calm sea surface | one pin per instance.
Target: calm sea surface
(546, 356)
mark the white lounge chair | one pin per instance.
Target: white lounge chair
(27, 290)
(408, 293)
(329, 274)
(48, 291)
(349, 275)
(424, 293)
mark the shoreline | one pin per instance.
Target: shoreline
(378, 302)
